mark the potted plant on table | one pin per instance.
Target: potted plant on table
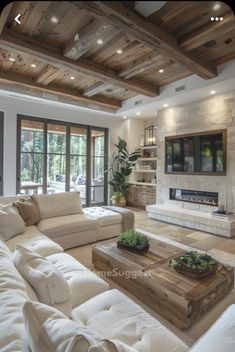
(194, 264)
(121, 165)
(133, 241)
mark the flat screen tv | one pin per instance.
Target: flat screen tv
(200, 153)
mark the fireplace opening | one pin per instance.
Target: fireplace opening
(190, 196)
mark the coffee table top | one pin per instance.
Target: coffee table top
(155, 264)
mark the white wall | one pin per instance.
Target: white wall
(11, 106)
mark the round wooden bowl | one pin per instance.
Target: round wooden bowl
(195, 274)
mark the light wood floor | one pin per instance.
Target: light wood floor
(216, 245)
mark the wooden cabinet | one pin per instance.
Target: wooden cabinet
(140, 195)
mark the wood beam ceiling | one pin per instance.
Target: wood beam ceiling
(4, 16)
(24, 44)
(208, 32)
(23, 81)
(117, 14)
(96, 89)
(48, 74)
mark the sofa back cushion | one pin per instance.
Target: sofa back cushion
(11, 223)
(47, 281)
(13, 295)
(28, 210)
(59, 204)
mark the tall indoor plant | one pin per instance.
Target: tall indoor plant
(121, 165)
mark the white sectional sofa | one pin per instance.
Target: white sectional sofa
(69, 229)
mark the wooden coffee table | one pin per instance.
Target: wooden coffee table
(177, 298)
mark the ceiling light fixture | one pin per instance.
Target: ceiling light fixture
(119, 51)
(99, 41)
(216, 6)
(138, 113)
(12, 59)
(212, 92)
(124, 117)
(54, 19)
(161, 70)
(165, 105)
(72, 77)
(33, 65)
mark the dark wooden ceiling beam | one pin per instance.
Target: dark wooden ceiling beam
(117, 14)
(4, 16)
(81, 42)
(23, 81)
(96, 88)
(25, 44)
(210, 31)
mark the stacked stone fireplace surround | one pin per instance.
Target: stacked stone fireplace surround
(213, 113)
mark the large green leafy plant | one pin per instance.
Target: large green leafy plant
(121, 165)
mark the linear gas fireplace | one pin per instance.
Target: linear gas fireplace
(190, 196)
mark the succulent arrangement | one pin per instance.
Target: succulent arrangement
(133, 239)
(194, 262)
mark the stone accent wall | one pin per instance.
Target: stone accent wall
(210, 114)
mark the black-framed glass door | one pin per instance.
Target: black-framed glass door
(55, 156)
(1, 150)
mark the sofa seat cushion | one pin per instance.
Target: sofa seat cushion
(13, 294)
(103, 216)
(82, 282)
(34, 240)
(114, 316)
(63, 225)
(221, 336)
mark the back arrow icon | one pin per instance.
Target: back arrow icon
(17, 18)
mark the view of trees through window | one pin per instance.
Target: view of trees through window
(54, 158)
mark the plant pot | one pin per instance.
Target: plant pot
(122, 202)
(141, 248)
(195, 274)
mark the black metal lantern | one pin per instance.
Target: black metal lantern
(150, 137)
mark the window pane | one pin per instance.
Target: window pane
(97, 143)
(56, 139)
(31, 174)
(56, 167)
(97, 195)
(97, 170)
(78, 176)
(78, 141)
(32, 138)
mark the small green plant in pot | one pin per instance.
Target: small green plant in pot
(133, 241)
(118, 199)
(194, 264)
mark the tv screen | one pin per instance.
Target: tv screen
(199, 153)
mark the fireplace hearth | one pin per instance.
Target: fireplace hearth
(190, 196)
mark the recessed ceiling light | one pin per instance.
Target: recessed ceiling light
(119, 51)
(100, 41)
(72, 77)
(161, 70)
(216, 6)
(33, 65)
(212, 91)
(138, 113)
(124, 117)
(12, 59)
(54, 19)
(165, 105)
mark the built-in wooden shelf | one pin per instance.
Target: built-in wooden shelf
(143, 184)
(141, 170)
(147, 159)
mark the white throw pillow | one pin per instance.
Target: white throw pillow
(49, 330)
(47, 281)
(11, 223)
(59, 204)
